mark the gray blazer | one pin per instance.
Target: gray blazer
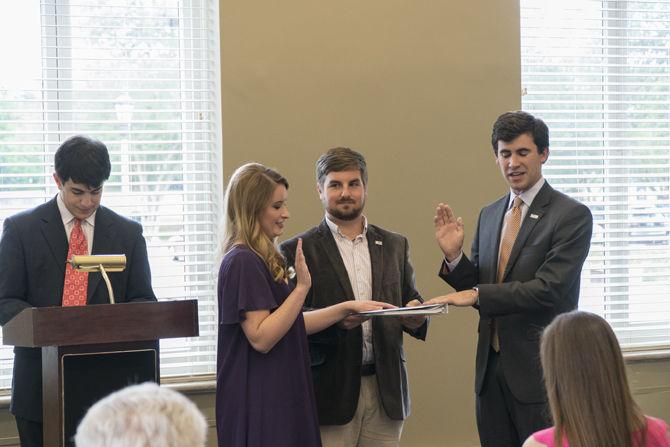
(541, 280)
(336, 354)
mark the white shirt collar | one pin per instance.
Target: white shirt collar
(336, 230)
(67, 216)
(528, 195)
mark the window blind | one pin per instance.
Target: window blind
(598, 72)
(143, 77)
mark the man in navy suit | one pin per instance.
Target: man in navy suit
(524, 269)
(33, 252)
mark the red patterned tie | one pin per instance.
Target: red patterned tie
(76, 283)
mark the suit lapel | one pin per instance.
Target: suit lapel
(54, 233)
(376, 248)
(329, 248)
(491, 238)
(533, 216)
(103, 238)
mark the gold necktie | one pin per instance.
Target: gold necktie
(512, 226)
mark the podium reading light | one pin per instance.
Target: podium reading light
(102, 264)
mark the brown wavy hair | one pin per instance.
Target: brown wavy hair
(340, 159)
(586, 384)
(248, 193)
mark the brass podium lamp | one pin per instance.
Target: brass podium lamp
(102, 264)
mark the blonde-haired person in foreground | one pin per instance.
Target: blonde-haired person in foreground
(143, 416)
(588, 392)
(264, 394)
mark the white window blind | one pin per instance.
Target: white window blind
(142, 76)
(598, 72)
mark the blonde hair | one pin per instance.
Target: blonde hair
(142, 416)
(586, 384)
(249, 192)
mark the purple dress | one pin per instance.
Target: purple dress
(262, 400)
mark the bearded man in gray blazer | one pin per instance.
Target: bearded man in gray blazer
(358, 366)
(524, 269)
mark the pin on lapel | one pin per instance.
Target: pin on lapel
(534, 216)
(378, 242)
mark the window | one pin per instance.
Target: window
(143, 77)
(598, 72)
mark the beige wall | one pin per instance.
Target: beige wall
(415, 86)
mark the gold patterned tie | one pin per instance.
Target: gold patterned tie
(512, 226)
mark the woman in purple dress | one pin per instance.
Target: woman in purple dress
(264, 393)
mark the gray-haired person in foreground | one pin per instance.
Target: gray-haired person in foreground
(142, 416)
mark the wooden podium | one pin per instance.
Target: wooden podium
(91, 351)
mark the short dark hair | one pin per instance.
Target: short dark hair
(83, 160)
(340, 159)
(510, 125)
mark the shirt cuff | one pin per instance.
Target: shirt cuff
(452, 265)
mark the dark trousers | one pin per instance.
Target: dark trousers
(503, 421)
(30, 432)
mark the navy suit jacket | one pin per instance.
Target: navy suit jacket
(336, 354)
(33, 252)
(541, 280)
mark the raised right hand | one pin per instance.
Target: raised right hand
(449, 231)
(303, 277)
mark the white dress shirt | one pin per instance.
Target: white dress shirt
(356, 258)
(87, 225)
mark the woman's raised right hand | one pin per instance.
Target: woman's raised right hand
(303, 278)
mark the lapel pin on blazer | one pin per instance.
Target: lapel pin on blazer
(534, 216)
(378, 242)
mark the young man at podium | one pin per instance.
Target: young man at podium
(34, 248)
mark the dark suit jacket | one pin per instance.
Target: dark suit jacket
(33, 252)
(541, 280)
(336, 354)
